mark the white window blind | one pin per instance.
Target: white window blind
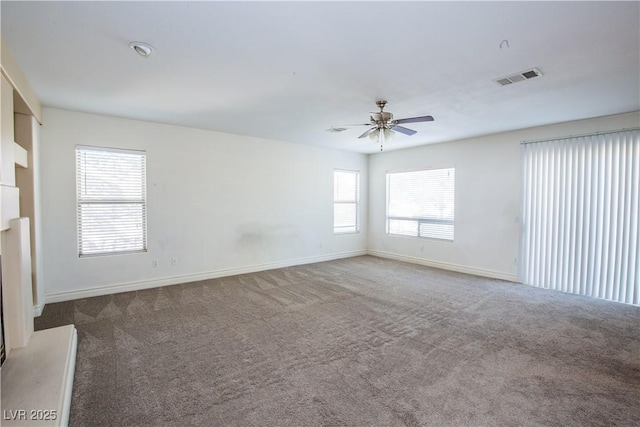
(345, 201)
(111, 194)
(421, 203)
(581, 215)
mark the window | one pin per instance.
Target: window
(345, 201)
(111, 192)
(421, 203)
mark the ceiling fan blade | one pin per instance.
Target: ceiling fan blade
(342, 128)
(416, 119)
(364, 135)
(352, 125)
(404, 130)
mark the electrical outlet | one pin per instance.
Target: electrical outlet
(154, 263)
(515, 261)
(174, 261)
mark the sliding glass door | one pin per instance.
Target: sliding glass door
(581, 215)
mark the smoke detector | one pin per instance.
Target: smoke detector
(519, 77)
(142, 49)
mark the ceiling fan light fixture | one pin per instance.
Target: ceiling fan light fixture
(381, 134)
(143, 49)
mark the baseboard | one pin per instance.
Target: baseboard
(37, 310)
(175, 280)
(447, 266)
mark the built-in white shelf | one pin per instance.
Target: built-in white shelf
(20, 155)
(10, 203)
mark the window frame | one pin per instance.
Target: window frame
(80, 202)
(355, 228)
(419, 220)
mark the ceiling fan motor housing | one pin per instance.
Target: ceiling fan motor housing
(382, 119)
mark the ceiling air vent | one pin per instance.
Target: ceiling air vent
(519, 77)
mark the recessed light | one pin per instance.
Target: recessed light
(142, 49)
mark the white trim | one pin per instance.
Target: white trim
(447, 266)
(112, 150)
(175, 280)
(37, 310)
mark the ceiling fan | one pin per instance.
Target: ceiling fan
(384, 125)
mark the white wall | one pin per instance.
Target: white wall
(225, 204)
(488, 197)
(219, 203)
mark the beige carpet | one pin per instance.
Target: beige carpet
(356, 342)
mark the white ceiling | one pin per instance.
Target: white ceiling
(290, 70)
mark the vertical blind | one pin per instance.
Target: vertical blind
(111, 194)
(345, 201)
(421, 203)
(581, 215)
